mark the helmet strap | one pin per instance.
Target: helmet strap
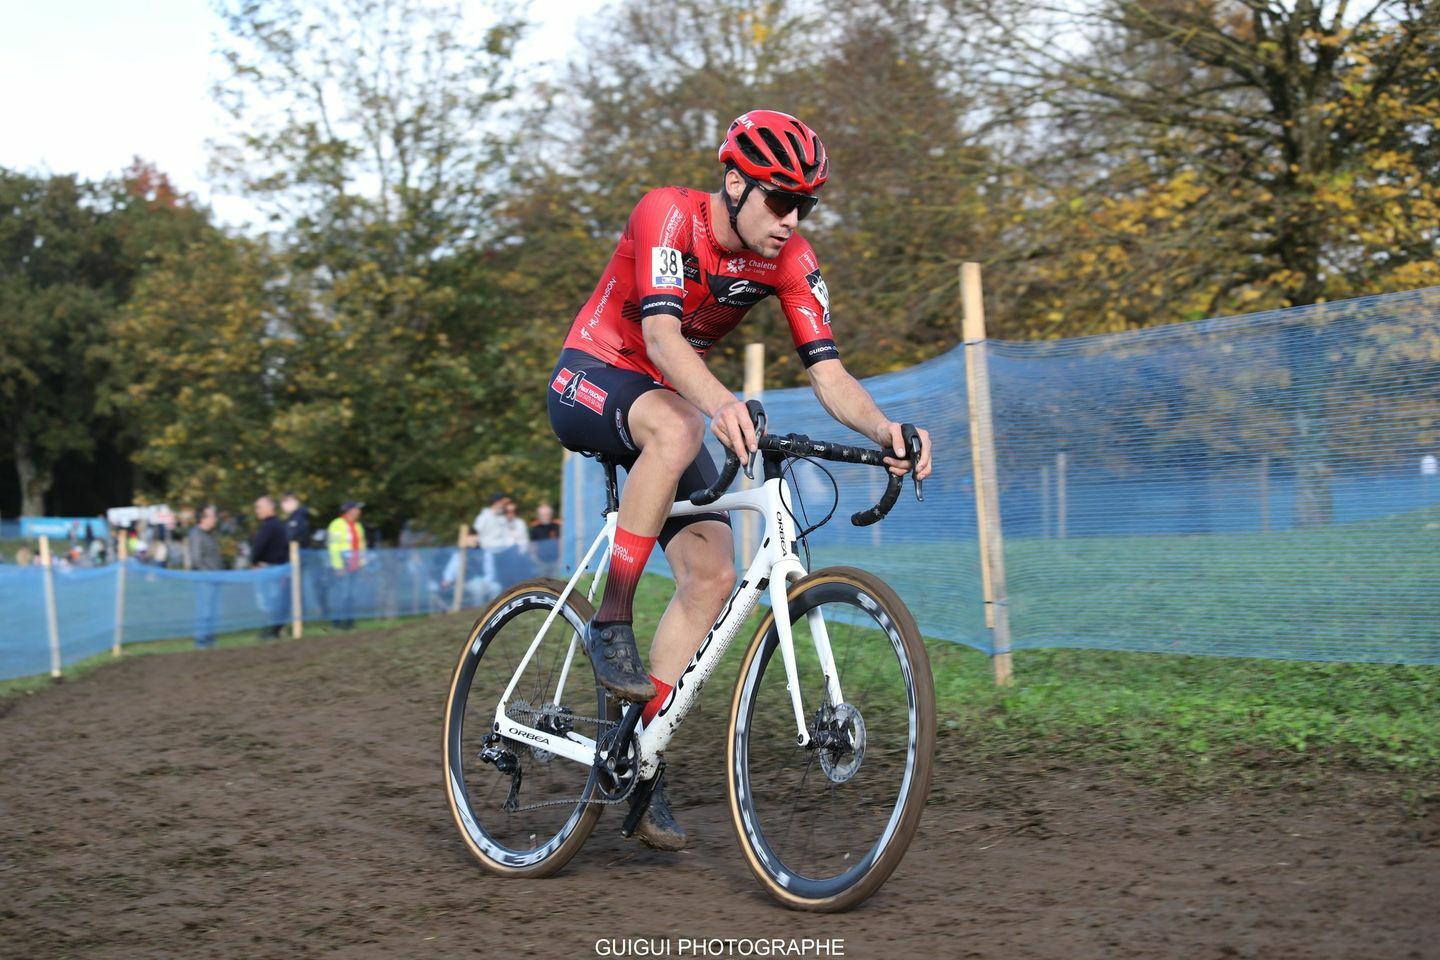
(732, 207)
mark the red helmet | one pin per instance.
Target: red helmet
(777, 149)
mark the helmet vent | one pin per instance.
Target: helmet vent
(776, 148)
(752, 153)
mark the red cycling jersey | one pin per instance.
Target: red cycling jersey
(668, 262)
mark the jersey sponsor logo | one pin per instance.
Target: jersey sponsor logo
(574, 388)
(674, 220)
(600, 307)
(692, 268)
(821, 292)
(817, 350)
(701, 344)
(666, 268)
(813, 317)
(739, 293)
(741, 264)
(661, 304)
(807, 260)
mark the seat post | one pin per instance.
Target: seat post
(612, 486)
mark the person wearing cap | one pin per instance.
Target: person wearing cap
(345, 539)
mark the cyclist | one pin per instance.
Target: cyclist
(632, 383)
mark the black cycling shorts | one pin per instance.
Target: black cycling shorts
(589, 403)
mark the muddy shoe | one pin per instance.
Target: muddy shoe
(612, 653)
(658, 828)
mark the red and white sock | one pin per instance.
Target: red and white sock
(627, 562)
(662, 690)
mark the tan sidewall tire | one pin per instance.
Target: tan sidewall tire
(919, 792)
(582, 829)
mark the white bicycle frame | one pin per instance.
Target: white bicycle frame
(774, 566)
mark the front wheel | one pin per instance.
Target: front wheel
(824, 825)
(523, 811)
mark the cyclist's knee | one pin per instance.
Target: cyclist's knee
(710, 576)
(668, 424)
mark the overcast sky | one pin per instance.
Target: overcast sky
(90, 84)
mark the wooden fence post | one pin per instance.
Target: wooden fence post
(982, 452)
(123, 553)
(460, 577)
(52, 615)
(1062, 495)
(1265, 493)
(297, 598)
(1044, 502)
(754, 390)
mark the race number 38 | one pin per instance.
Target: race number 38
(666, 268)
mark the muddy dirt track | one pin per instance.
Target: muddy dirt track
(285, 801)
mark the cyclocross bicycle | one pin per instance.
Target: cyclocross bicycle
(832, 723)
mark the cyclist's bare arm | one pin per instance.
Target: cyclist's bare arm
(673, 356)
(845, 399)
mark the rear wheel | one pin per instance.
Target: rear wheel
(823, 826)
(521, 810)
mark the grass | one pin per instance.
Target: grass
(1163, 717)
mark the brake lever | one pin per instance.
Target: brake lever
(757, 417)
(912, 448)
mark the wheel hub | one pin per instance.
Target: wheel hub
(840, 737)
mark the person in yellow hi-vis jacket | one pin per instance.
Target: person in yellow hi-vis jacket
(345, 539)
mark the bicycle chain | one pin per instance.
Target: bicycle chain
(523, 707)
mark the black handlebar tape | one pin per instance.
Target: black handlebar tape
(732, 462)
(892, 493)
(727, 476)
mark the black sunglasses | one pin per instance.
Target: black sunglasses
(781, 202)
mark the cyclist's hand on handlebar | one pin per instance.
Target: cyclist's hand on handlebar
(900, 463)
(731, 424)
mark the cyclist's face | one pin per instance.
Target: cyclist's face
(766, 232)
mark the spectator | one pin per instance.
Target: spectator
(297, 531)
(270, 548)
(515, 561)
(545, 542)
(345, 539)
(493, 529)
(204, 553)
(478, 590)
(297, 520)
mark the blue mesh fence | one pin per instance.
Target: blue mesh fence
(1250, 486)
(1260, 486)
(162, 603)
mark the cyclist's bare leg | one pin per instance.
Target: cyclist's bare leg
(669, 432)
(702, 558)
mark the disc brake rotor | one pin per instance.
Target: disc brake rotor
(841, 742)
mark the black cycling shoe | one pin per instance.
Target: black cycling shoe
(617, 664)
(657, 827)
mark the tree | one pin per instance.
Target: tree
(649, 103)
(370, 132)
(69, 255)
(1189, 159)
(367, 129)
